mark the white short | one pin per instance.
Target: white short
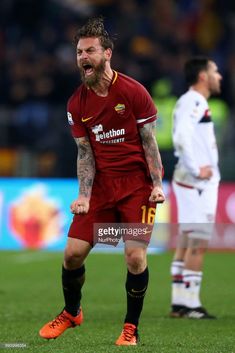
(196, 210)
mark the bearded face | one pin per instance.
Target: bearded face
(91, 73)
(91, 60)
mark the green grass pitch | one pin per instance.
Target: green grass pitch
(30, 295)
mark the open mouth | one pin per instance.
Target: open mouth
(88, 69)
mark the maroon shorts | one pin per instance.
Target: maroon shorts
(116, 200)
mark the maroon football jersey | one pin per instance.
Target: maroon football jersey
(112, 123)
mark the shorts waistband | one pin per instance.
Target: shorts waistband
(122, 175)
(188, 187)
(184, 185)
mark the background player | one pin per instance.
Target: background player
(195, 183)
(119, 168)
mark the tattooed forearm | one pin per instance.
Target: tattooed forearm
(85, 166)
(152, 154)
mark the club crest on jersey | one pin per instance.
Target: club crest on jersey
(120, 108)
(70, 118)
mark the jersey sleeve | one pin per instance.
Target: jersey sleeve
(77, 127)
(144, 107)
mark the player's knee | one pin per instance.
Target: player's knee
(198, 246)
(72, 259)
(136, 261)
(198, 251)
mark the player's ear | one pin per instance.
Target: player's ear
(108, 53)
(202, 76)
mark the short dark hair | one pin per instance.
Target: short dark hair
(94, 28)
(193, 67)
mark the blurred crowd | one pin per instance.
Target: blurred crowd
(152, 41)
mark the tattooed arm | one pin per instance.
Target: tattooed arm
(85, 173)
(153, 158)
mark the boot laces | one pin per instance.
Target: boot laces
(60, 319)
(128, 332)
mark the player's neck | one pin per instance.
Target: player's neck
(201, 89)
(102, 88)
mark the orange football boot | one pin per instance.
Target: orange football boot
(56, 327)
(129, 336)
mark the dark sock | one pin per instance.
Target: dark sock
(136, 286)
(72, 282)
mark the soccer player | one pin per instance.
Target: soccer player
(112, 119)
(195, 184)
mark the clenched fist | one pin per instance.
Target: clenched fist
(157, 195)
(81, 205)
